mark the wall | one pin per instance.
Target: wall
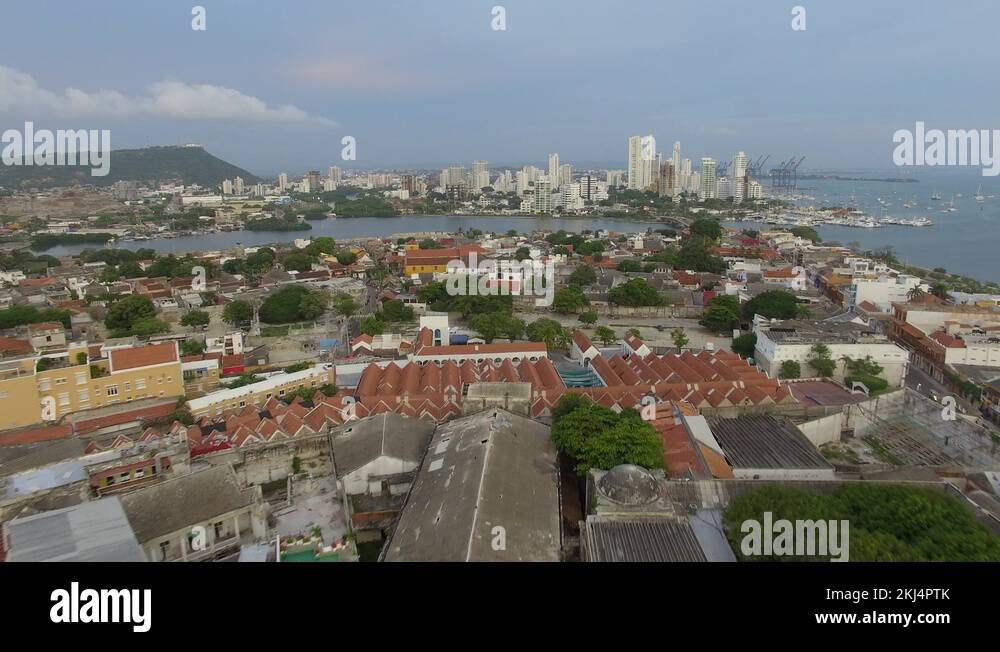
(356, 482)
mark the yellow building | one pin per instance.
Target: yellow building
(49, 386)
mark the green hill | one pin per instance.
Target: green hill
(188, 165)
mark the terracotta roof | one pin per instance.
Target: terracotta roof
(143, 356)
(46, 326)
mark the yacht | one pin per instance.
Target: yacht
(979, 194)
(936, 196)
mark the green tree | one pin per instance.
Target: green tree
(124, 313)
(588, 318)
(722, 313)
(569, 299)
(148, 326)
(583, 276)
(635, 293)
(630, 441)
(545, 330)
(772, 304)
(347, 257)
(789, 369)
(629, 265)
(679, 338)
(372, 325)
(522, 253)
(237, 312)
(312, 305)
(397, 311)
(605, 335)
(706, 228)
(744, 345)
(345, 305)
(192, 347)
(195, 318)
(821, 361)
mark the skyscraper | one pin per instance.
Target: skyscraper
(554, 169)
(739, 179)
(480, 175)
(667, 180)
(709, 189)
(282, 181)
(635, 163)
(543, 196)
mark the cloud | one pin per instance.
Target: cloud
(164, 99)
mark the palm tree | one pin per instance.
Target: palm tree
(915, 293)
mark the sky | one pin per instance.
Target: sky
(276, 86)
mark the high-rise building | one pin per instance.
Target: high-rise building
(615, 178)
(709, 187)
(238, 187)
(554, 169)
(588, 187)
(313, 176)
(642, 162)
(667, 180)
(456, 175)
(480, 175)
(335, 174)
(227, 187)
(565, 174)
(408, 182)
(282, 181)
(687, 184)
(739, 179)
(543, 195)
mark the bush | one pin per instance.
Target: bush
(874, 384)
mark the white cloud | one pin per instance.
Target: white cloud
(166, 99)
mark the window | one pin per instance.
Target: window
(83, 395)
(60, 381)
(140, 383)
(44, 384)
(139, 473)
(81, 378)
(64, 399)
(128, 386)
(112, 390)
(164, 549)
(219, 534)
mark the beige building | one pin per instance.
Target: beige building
(50, 385)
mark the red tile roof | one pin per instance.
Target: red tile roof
(143, 356)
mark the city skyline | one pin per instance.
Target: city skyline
(426, 86)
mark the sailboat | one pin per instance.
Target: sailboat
(951, 206)
(936, 196)
(979, 194)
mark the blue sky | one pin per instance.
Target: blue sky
(274, 86)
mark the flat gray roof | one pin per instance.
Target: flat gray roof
(764, 442)
(357, 443)
(489, 470)
(655, 539)
(93, 531)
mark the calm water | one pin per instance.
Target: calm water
(357, 227)
(966, 241)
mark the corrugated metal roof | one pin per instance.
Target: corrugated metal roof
(93, 531)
